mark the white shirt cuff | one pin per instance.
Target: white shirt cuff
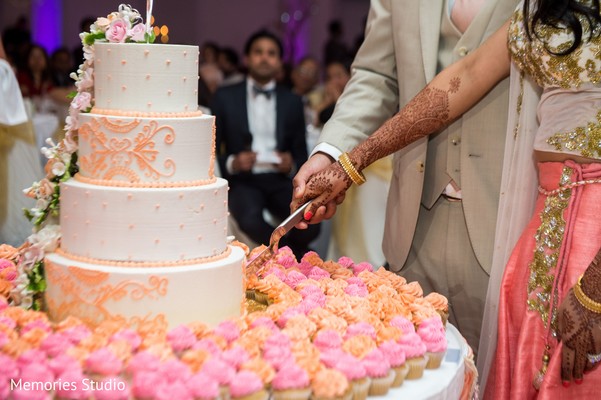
(229, 164)
(328, 149)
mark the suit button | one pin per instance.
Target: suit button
(462, 51)
(420, 166)
(455, 141)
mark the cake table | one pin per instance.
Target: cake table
(444, 383)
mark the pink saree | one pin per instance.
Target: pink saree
(556, 247)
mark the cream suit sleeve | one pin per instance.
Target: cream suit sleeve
(371, 96)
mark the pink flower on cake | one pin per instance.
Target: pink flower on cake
(82, 101)
(117, 31)
(137, 33)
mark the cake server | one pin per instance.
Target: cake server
(254, 267)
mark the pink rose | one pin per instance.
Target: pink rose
(137, 33)
(117, 32)
(82, 101)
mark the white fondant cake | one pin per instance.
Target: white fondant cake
(144, 222)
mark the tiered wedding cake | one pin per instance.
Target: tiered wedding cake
(144, 222)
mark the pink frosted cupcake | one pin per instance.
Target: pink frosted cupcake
(379, 371)
(327, 339)
(403, 324)
(222, 372)
(396, 357)
(247, 385)
(432, 333)
(235, 356)
(291, 383)
(112, 389)
(356, 374)
(145, 383)
(181, 338)
(203, 387)
(415, 353)
(102, 363)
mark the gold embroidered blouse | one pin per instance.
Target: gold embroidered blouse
(569, 111)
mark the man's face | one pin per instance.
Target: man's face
(263, 60)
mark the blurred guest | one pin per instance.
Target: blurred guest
(260, 141)
(335, 49)
(337, 75)
(61, 66)
(305, 83)
(228, 62)
(210, 78)
(17, 39)
(209, 53)
(35, 81)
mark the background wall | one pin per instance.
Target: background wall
(227, 22)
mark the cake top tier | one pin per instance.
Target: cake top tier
(146, 78)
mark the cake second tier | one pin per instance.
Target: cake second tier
(148, 225)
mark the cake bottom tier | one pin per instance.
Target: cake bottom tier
(145, 297)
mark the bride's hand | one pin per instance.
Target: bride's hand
(580, 332)
(327, 185)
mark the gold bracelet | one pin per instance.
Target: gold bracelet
(584, 300)
(348, 167)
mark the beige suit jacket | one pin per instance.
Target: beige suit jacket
(397, 59)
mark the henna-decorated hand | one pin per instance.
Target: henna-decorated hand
(323, 187)
(580, 332)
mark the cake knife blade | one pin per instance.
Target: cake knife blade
(297, 216)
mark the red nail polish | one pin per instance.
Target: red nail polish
(566, 384)
(308, 215)
(578, 381)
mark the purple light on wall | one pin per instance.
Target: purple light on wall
(46, 23)
(295, 21)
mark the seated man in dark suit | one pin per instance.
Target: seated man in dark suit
(260, 143)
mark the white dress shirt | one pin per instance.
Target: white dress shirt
(261, 110)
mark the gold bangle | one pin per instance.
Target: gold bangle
(348, 167)
(584, 300)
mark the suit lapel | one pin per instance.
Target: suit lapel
(481, 25)
(240, 106)
(429, 26)
(280, 112)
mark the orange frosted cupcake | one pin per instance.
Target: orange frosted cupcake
(330, 384)
(440, 304)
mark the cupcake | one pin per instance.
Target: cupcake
(291, 382)
(356, 374)
(247, 385)
(379, 371)
(330, 384)
(432, 333)
(396, 357)
(203, 387)
(112, 389)
(102, 363)
(440, 304)
(415, 354)
(222, 372)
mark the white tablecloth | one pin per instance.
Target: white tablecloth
(444, 383)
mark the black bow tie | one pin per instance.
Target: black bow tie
(267, 92)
